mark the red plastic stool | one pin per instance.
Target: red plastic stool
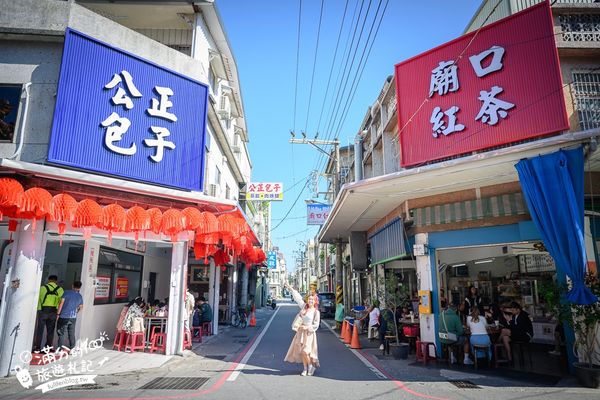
(207, 328)
(135, 341)
(158, 341)
(423, 351)
(187, 339)
(197, 333)
(120, 339)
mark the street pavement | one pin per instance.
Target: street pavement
(248, 364)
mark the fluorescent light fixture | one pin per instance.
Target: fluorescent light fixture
(484, 261)
(458, 265)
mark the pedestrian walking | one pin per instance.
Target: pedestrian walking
(70, 305)
(303, 348)
(48, 300)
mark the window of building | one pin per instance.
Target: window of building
(212, 79)
(9, 109)
(227, 192)
(586, 85)
(217, 176)
(119, 276)
(580, 27)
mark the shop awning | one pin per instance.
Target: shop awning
(78, 197)
(360, 205)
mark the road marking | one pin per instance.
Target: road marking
(367, 363)
(242, 363)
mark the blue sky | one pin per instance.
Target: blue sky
(264, 38)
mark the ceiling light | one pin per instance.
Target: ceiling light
(484, 261)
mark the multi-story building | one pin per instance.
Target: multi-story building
(465, 210)
(113, 106)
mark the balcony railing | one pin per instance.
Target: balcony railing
(580, 27)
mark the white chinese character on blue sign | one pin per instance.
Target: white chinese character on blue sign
(121, 98)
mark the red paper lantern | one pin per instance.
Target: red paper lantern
(88, 213)
(155, 219)
(113, 219)
(172, 223)
(62, 210)
(12, 227)
(11, 195)
(137, 219)
(36, 203)
(209, 224)
(193, 218)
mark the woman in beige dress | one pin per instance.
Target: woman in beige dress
(304, 347)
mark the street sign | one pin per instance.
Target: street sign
(262, 191)
(316, 214)
(272, 259)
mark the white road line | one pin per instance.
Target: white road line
(244, 360)
(367, 363)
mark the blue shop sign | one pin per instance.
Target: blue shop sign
(272, 259)
(118, 114)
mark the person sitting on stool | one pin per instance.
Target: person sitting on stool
(449, 325)
(520, 328)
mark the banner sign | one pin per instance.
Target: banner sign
(122, 291)
(316, 214)
(265, 191)
(272, 259)
(491, 88)
(118, 114)
(102, 287)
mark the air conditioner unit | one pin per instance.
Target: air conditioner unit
(224, 109)
(236, 149)
(213, 190)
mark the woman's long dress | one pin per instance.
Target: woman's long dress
(305, 339)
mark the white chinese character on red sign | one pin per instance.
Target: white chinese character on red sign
(495, 64)
(440, 126)
(492, 107)
(444, 79)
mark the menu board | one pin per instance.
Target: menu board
(102, 287)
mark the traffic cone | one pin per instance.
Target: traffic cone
(253, 318)
(355, 343)
(343, 331)
(348, 335)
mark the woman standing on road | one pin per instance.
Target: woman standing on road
(304, 345)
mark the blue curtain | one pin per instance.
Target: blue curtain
(552, 185)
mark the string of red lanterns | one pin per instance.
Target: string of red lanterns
(219, 237)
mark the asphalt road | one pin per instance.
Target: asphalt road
(248, 364)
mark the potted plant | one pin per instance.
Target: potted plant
(585, 321)
(395, 296)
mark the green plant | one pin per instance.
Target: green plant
(552, 299)
(586, 324)
(395, 295)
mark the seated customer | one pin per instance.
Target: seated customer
(451, 331)
(206, 313)
(479, 335)
(520, 328)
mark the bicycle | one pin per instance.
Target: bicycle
(239, 318)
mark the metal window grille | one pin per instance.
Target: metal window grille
(586, 85)
(388, 242)
(580, 27)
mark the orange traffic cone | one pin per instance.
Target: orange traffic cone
(348, 335)
(343, 331)
(355, 343)
(253, 318)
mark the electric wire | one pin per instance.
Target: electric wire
(312, 79)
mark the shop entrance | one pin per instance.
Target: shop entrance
(505, 274)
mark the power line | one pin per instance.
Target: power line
(297, 64)
(312, 79)
(292, 207)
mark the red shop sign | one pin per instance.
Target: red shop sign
(505, 88)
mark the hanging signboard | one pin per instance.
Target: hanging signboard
(272, 259)
(489, 88)
(118, 114)
(316, 214)
(122, 291)
(265, 191)
(102, 287)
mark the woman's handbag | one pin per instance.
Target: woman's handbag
(447, 335)
(297, 322)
